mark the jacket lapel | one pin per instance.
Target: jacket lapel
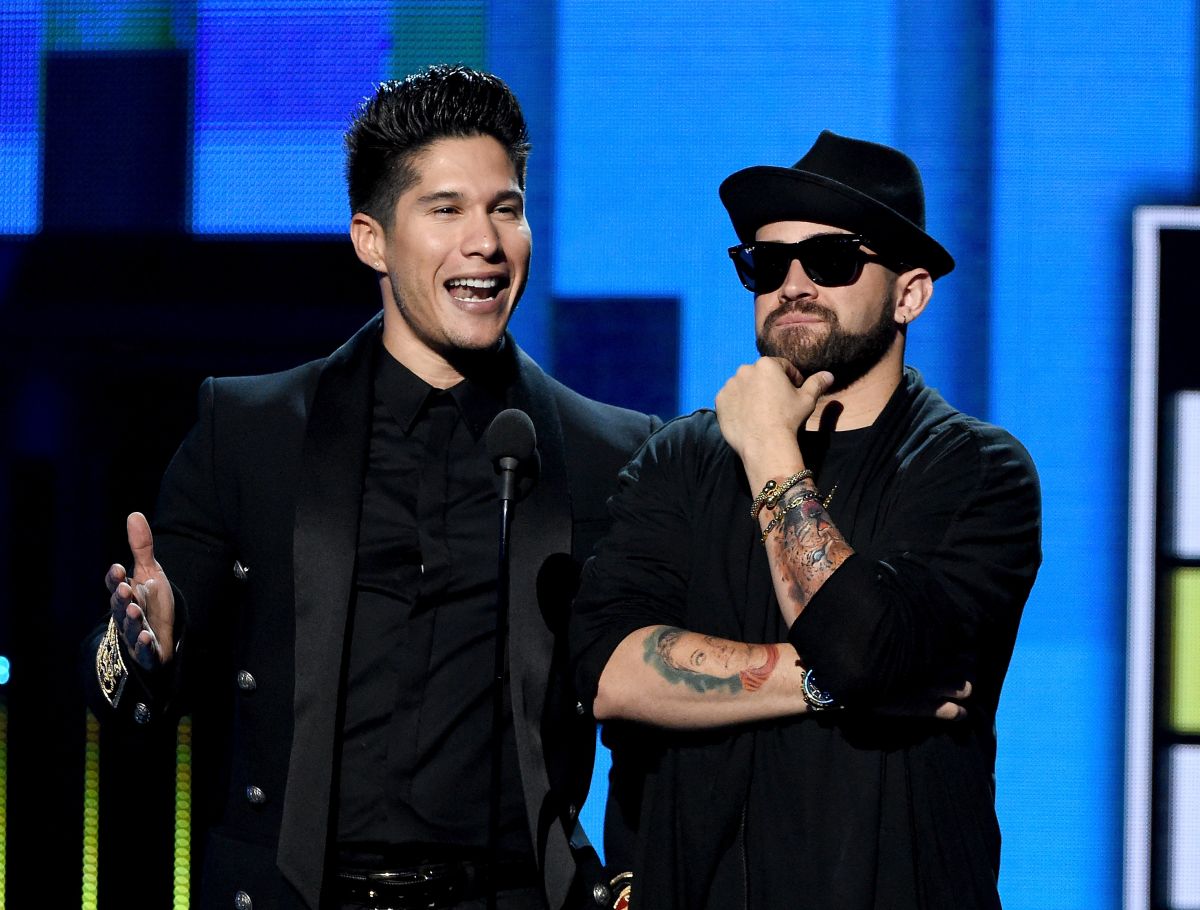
(541, 528)
(329, 500)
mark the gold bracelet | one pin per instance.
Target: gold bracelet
(111, 671)
(772, 491)
(800, 498)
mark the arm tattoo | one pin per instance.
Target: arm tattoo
(705, 663)
(811, 550)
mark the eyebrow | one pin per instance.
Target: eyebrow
(440, 196)
(508, 195)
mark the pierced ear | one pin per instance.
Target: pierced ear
(369, 241)
(916, 287)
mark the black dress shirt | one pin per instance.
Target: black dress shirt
(417, 725)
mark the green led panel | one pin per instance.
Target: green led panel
(1185, 651)
(91, 813)
(182, 884)
(120, 25)
(437, 31)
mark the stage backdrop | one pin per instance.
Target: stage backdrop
(171, 205)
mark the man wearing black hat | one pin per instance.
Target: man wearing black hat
(873, 545)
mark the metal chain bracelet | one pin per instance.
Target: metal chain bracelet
(773, 490)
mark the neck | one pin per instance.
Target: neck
(426, 365)
(402, 343)
(859, 404)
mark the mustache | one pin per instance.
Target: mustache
(804, 307)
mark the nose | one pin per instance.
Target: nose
(796, 283)
(481, 238)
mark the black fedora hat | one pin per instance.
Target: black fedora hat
(859, 186)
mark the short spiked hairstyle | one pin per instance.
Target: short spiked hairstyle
(405, 116)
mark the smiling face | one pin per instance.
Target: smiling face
(847, 330)
(454, 261)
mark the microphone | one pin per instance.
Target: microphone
(512, 447)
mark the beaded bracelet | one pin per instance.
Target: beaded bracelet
(799, 499)
(772, 491)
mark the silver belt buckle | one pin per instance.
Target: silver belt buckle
(415, 877)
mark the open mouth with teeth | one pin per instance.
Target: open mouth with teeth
(476, 289)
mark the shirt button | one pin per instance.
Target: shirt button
(141, 713)
(572, 811)
(246, 681)
(240, 572)
(579, 708)
(242, 901)
(255, 796)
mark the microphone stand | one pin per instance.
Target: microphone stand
(508, 468)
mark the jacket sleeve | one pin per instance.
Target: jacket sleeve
(938, 598)
(193, 547)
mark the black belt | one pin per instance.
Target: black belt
(428, 886)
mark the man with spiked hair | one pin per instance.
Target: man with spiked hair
(320, 589)
(875, 546)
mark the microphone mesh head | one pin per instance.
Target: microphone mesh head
(510, 435)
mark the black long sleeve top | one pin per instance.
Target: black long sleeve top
(846, 809)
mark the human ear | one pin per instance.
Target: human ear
(914, 288)
(369, 241)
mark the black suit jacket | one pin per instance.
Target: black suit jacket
(257, 528)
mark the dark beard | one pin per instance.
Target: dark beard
(846, 355)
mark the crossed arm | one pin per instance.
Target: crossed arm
(670, 677)
(675, 678)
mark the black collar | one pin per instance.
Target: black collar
(479, 397)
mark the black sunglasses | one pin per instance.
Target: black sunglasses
(830, 260)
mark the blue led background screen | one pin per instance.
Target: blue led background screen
(275, 83)
(20, 61)
(1038, 128)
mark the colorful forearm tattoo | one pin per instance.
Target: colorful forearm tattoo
(704, 663)
(809, 549)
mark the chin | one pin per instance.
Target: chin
(477, 342)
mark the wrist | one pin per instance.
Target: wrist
(777, 468)
(797, 496)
